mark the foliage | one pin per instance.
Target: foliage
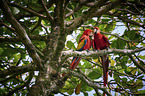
(20, 61)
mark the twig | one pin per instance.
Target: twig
(28, 10)
(89, 82)
(126, 19)
(37, 25)
(136, 63)
(50, 18)
(23, 85)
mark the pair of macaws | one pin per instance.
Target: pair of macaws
(99, 42)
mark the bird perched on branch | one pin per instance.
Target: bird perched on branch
(84, 44)
(101, 42)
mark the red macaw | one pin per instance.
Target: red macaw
(84, 44)
(101, 42)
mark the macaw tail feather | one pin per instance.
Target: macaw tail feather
(75, 62)
(105, 64)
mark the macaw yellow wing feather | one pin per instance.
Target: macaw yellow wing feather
(81, 44)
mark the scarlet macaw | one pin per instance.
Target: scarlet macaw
(101, 42)
(84, 44)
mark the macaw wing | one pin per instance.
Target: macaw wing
(81, 44)
(106, 40)
(93, 44)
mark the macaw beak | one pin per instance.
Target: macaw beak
(96, 30)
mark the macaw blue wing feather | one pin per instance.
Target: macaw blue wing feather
(81, 44)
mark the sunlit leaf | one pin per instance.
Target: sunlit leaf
(112, 62)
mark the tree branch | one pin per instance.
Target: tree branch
(50, 18)
(136, 63)
(89, 82)
(17, 39)
(26, 14)
(10, 28)
(27, 10)
(85, 16)
(22, 33)
(22, 85)
(17, 70)
(101, 52)
(120, 37)
(78, 7)
(92, 13)
(37, 25)
(104, 52)
(126, 19)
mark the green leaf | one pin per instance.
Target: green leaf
(16, 57)
(133, 35)
(110, 27)
(120, 44)
(95, 74)
(1, 31)
(112, 62)
(70, 45)
(141, 57)
(139, 84)
(85, 87)
(15, 10)
(9, 52)
(1, 50)
(78, 37)
(70, 91)
(116, 78)
(124, 79)
(86, 63)
(141, 91)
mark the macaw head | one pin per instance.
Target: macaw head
(96, 30)
(88, 32)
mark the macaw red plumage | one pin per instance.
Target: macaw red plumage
(101, 42)
(84, 44)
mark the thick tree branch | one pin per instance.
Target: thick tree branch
(92, 12)
(78, 7)
(17, 70)
(101, 52)
(22, 33)
(85, 16)
(104, 52)
(17, 39)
